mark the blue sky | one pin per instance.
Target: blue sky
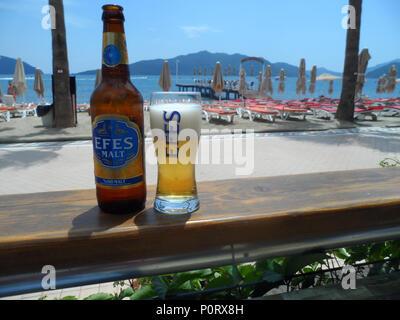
(280, 31)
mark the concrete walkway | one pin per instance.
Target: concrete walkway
(57, 166)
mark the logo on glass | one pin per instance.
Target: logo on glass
(111, 55)
(115, 142)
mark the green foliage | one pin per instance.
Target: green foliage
(389, 162)
(252, 280)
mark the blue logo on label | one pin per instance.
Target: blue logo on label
(112, 55)
(115, 143)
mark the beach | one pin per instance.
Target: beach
(31, 129)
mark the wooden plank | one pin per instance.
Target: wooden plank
(67, 230)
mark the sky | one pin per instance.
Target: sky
(279, 31)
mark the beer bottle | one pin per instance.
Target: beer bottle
(117, 125)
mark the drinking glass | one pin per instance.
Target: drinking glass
(175, 120)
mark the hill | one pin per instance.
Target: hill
(7, 66)
(204, 59)
(384, 68)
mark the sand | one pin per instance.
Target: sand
(31, 129)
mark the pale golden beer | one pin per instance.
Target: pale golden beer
(175, 120)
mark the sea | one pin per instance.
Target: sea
(148, 84)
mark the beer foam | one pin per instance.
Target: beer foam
(189, 115)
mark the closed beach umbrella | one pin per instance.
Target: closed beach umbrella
(19, 78)
(267, 85)
(391, 82)
(301, 78)
(98, 78)
(330, 90)
(381, 84)
(165, 77)
(281, 86)
(218, 80)
(313, 80)
(260, 83)
(242, 82)
(38, 85)
(363, 59)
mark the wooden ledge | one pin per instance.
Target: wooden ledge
(68, 231)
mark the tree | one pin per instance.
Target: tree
(345, 109)
(64, 116)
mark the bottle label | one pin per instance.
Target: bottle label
(114, 49)
(117, 148)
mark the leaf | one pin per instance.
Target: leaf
(249, 273)
(145, 292)
(126, 293)
(294, 264)
(236, 276)
(308, 281)
(99, 296)
(222, 281)
(69, 298)
(272, 276)
(376, 251)
(356, 254)
(160, 286)
(340, 253)
(182, 277)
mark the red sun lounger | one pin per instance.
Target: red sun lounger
(217, 113)
(259, 112)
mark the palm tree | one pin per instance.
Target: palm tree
(64, 116)
(345, 109)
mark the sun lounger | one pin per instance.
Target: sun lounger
(82, 107)
(259, 112)
(210, 111)
(394, 108)
(20, 111)
(15, 109)
(329, 111)
(326, 111)
(286, 111)
(4, 114)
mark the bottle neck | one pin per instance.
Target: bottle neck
(115, 55)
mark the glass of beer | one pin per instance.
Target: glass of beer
(175, 119)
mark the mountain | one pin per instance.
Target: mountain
(7, 66)
(383, 68)
(187, 64)
(204, 59)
